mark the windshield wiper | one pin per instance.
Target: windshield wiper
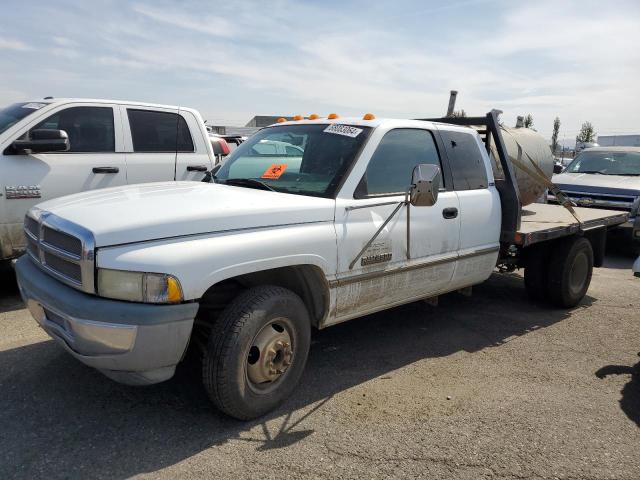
(597, 172)
(249, 182)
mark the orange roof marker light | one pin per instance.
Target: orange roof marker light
(333, 116)
(281, 120)
(369, 116)
(314, 116)
(298, 117)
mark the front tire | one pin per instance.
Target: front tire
(256, 352)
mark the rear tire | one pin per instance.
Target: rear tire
(256, 352)
(570, 270)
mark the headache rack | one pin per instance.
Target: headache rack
(488, 128)
(537, 222)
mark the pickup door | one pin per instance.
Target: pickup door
(95, 160)
(164, 144)
(384, 276)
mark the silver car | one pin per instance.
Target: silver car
(605, 177)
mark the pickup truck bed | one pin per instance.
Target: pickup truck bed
(541, 222)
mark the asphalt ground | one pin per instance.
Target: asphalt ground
(487, 386)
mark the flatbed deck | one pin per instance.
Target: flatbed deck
(540, 222)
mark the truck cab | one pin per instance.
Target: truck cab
(55, 147)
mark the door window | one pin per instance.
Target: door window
(153, 131)
(90, 129)
(467, 164)
(390, 168)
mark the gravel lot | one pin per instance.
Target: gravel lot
(488, 386)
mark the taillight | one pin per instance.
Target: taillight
(225, 147)
(220, 146)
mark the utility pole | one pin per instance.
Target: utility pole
(452, 102)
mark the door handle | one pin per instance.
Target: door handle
(106, 169)
(196, 168)
(450, 213)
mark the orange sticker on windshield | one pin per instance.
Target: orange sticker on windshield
(274, 171)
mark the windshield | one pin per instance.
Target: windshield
(300, 159)
(16, 112)
(606, 163)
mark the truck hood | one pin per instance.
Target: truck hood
(588, 182)
(171, 209)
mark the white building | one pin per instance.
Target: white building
(619, 140)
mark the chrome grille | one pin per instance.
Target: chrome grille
(32, 226)
(68, 269)
(32, 247)
(62, 241)
(63, 249)
(601, 200)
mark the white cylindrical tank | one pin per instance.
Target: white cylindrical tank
(538, 149)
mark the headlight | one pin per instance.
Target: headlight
(139, 286)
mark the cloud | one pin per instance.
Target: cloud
(12, 44)
(64, 41)
(207, 24)
(545, 58)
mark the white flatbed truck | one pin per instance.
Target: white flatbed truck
(365, 214)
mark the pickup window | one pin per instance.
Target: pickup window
(300, 159)
(12, 114)
(467, 165)
(391, 165)
(606, 163)
(153, 131)
(90, 129)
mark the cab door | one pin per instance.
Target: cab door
(164, 144)
(409, 259)
(94, 160)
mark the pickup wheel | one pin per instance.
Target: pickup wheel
(570, 270)
(256, 351)
(536, 272)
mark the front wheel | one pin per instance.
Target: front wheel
(256, 352)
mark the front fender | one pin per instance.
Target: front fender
(201, 261)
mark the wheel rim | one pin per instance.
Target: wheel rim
(270, 355)
(579, 271)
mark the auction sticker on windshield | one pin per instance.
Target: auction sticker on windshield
(274, 171)
(346, 130)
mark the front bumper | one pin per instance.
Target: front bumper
(132, 343)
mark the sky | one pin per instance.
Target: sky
(232, 60)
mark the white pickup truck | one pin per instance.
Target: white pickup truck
(363, 215)
(55, 147)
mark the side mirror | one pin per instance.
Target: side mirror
(43, 140)
(425, 184)
(557, 168)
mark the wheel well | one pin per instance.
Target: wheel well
(307, 281)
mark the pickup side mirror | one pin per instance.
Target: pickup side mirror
(425, 184)
(43, 140)
(557, 168)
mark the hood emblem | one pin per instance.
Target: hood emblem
(586, 202)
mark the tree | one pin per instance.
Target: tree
(528, 121)
(459, 114)
(554, 136)
(587, 133)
